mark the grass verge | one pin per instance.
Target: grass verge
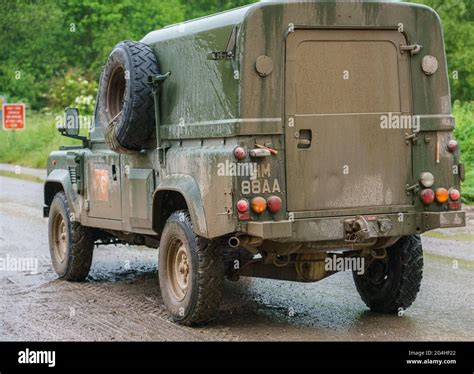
(26, 177)
(32, 146)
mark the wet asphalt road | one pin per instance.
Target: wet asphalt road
(121, 300)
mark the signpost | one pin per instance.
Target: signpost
(3, 100)
(13, 117)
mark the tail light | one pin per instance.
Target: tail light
(242, 206)
(442, 195)
(274, 204)
(454, 194)
(259, 205)
(427, 196)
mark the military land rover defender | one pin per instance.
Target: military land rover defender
(282, 140)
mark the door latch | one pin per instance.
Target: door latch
(412, 189)
(413, 137)
(413, 48)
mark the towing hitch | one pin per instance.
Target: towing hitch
(360, 229)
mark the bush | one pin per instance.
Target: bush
(464, 132)
(74, 89)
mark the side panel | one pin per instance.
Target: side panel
(197, 166)
(103, 175)
(138, 186)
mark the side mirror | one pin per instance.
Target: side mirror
(71, 127)
(71, 122)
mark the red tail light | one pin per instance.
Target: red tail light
(243, 206)
(274, 204)
(427, 196)
(454, 194)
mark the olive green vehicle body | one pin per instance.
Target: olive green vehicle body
(208, 107)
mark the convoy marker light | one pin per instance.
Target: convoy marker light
(427, 179)
(454, 205)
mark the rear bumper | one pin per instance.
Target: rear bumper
(332, 228)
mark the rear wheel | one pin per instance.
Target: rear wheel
(71, 245)
(191, 272)
(392, 284)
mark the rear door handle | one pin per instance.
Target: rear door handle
(305, 138)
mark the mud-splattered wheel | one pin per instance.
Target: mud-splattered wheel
(71, 245)
(59, 238)
(191, 272)
(178, 269)
(392, 284)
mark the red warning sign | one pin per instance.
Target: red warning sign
(13, 116)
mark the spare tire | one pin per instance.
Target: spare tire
(126, 104)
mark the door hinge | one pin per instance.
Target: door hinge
(413, 48)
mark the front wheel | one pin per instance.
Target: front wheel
(191, 272)
(392, 284)
(71, 245)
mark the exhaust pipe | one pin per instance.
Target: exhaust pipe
(234, 242)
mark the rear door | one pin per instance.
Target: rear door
(339, 86)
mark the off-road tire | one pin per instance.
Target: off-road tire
(402, 280)
(75, 265)
(201, 300)
(124, 89)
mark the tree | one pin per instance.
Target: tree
(458, 21)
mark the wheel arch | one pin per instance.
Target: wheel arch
(178, 192)
(58, 181)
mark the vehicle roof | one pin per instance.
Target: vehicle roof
(237, 16)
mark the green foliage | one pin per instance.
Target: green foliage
(200, 8)
(94, 26)
(32, 43)
(73, 90)
(43, 40)
(457, 17)
(464, 133)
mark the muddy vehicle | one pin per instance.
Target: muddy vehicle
(283, 140)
